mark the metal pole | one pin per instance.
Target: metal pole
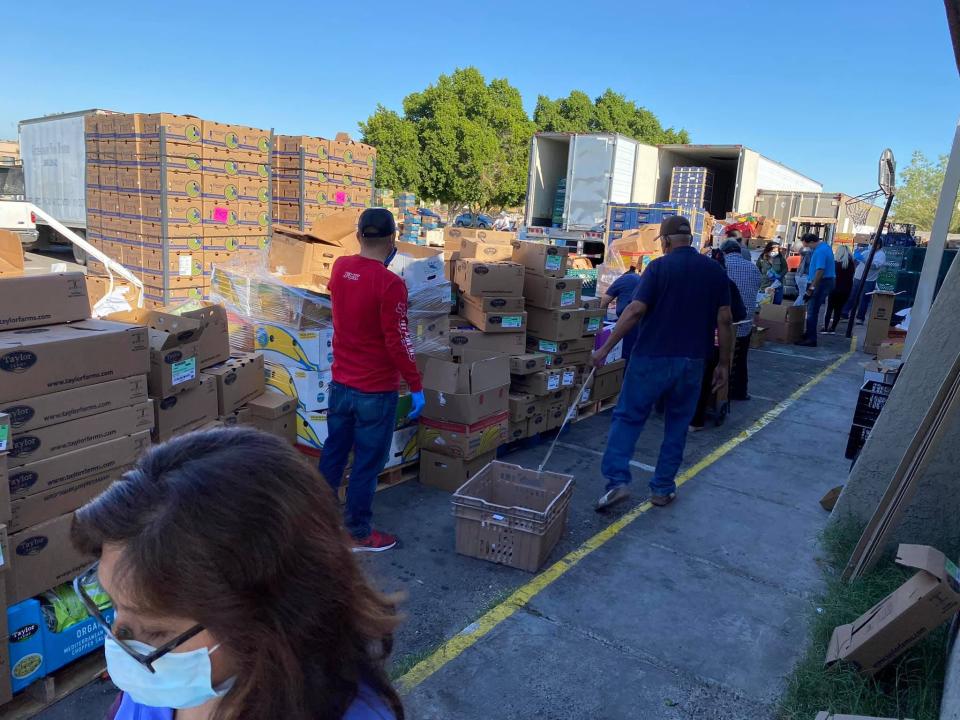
(303, 186)
(858, 293)
(938, 239)
(164, 217)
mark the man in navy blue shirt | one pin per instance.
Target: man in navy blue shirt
(680, 299)
(622, 290)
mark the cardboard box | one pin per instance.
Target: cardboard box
(824, 715)
(36, 508)
(475, 277)
(311, 388)
(113, 457)
(464, 389)
(5, 432)
(554, 347)
(518, 430)
(492, 322)
(552, 293)
(523, 406)
(782, 323)
(879, 322)
(553, 418)
(32, 300)
(274, 412)
(487, 252)
(611, 367)
(890, 350)
(11, 254)
(539, 383)
(555, 324)
(238, 380)
(41, 443)
(214, 344)
(403, 447)
(493, 304)
(174, 346)
(419, 266)
(527, 363)
(593, 320)
(541, 259)
(310, 349)
(44, 410)
(607, 385)
(188, 410)
(447, 473)
(571, 358)
(60, 357)
(312, 428)
(465, 337)
(42, 557)
(498, 237)
(460, 440)
(924, 602)
(757, 337)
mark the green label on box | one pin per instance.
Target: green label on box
(553, 262)
(952, 570)
(184, 370)
(593, 324)
(4, 433)
(553, 382)
(548, 346)
(568, 298)
(512, 321)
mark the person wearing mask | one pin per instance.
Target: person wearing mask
(844, 265)
(235, 591)
(879, 260)
(738, 236)
(371, 352)
(746, 277)
(622, 290)
(822, 275)
(773, 268)
(680, 299)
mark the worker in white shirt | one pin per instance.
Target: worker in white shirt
(861, 256)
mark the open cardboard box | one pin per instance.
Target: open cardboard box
(11, 253)
(464, 390)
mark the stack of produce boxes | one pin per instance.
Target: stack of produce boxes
(314, 178)
(692, 186)
(169, 196)
(74, 415)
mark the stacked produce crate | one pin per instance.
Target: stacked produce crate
(559, 201)
(170, 196)
(315, 177)
(692, 186)
(629, 216)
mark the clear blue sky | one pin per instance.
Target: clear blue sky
(804, 83)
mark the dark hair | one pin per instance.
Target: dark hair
(719, 256)
(734, 234)
(810, 238)
(234, 529)
(769, 246)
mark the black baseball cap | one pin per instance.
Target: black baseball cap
(675, 225)
(376, 223)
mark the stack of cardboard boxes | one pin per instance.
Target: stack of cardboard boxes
(171, 211)
(314, 178)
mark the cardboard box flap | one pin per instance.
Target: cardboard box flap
(924, 557)
(11, 253)
(842, 635)
(470, 373)
(338, 229)
(417, 251)
(166, 330)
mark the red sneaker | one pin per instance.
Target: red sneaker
(376, 541)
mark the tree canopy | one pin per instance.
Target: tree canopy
(465, 141)
(918, 192)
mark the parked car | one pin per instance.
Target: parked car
(431, 216)
(470, 220)
(15, 215)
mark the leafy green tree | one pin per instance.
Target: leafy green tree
(398, 156)
(918, 192)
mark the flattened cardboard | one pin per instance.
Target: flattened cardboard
(39, 507)
(492, 322)
(174, 346)
(215, 340)
(50, 299)
(45, 410)
(527, 363)
(42, 557)
(36, 361)
(555, 324)
(488, 252)
(447, 473)
(552, 293)
(466, 338)
(112, 457)
(239, 380)
(189, 410)
(475, 277)
(541, 259)
(465, 389)
(924, 602)
(42, 443)
(461, 440)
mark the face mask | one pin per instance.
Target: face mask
(774, 253)
(181, 680)
(391, 256)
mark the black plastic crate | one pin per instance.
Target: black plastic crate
(858, 436)
(873, 396)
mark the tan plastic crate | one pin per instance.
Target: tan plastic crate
(510, 515)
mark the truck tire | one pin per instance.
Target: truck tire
(79, 254)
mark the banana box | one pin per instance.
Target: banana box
(308, 349)
(311, 388)
(404, 447)
(459, 440)
(311, 428)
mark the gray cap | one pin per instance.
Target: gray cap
(730, 246)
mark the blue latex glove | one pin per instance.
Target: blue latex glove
(418, 403)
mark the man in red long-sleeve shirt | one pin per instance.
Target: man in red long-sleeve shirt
(371, 352)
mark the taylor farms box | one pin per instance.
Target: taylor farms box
(527, 363)
(465, 337)
(274, 412)
(552, 293)
(60, 357)
(525, 405)
(42, 443)
(566, 324)
(462, 440)
(488, 252)
(58, 407)
(593, 320)
(214, 344)
(238, 380)
(494, 304)
(567, 358)
(576, 345)
(464, 389)
(539, 383)
(495, 321)
(42, 557)
(310, 349)
(32, 300)
(38, 507)
(541, 259)
(447, 473)
(475, 277)
(188, 410)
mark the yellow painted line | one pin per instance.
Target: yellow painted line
(467, 637)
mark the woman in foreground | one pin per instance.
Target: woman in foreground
(236, 592)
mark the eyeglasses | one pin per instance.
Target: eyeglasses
(88, 580)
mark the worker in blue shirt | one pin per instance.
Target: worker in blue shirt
(622, 291)
(822, 280)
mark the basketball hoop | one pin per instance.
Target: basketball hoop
(858, 208)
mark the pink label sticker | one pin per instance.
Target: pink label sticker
(220, 214)
(340, 197)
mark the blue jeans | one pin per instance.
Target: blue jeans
(868, 287)
(362, 422)
(778, 296)
(678, 381)
(816, 301)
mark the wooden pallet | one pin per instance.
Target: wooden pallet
(53, 688)
(389, 478)
(586, 410)
(609, 403)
